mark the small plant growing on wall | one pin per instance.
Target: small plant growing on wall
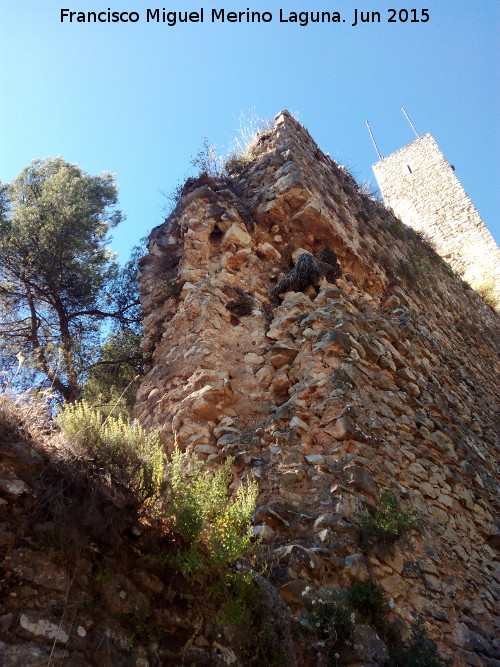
(391, 521)
(420, 651)
(308, 270)
(369, 599)
(487, 291)
(208, 161)
(330, 620)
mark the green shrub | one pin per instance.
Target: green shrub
(331, 620)
(215, 528)
(132, 456)
(392, 521)
(397, 228)
(369, 599)
(236, 608)
(421, 259)
(421, 651)
(141, 629)
(211, 530)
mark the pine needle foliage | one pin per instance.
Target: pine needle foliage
(59, 280)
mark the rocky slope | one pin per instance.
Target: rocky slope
(329, 390)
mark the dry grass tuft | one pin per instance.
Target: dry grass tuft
(487, 290)
(97, 488)
(251, 128)
(25, 415)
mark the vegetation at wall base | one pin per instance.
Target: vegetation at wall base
(330, 619)
(213, 529)
(369, 599)
(132, 456)
(257, 639)
(420, 651)
(141, 629)
(213, 543)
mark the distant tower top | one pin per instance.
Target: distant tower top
(373, 138)
(422, 189)
(408, 119)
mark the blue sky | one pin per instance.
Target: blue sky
(137, 99)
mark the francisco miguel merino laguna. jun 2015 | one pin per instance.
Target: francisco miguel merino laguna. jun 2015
(302, 18)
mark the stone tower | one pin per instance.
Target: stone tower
(422, 189)
(329, 393)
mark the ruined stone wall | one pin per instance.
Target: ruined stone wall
(422, 189)
(386, 378)
(327, 390)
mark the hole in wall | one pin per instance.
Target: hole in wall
(216, 236)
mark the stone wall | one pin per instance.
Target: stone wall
(422, 189)
(384, 379)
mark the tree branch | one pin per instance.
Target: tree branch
(127, 360)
